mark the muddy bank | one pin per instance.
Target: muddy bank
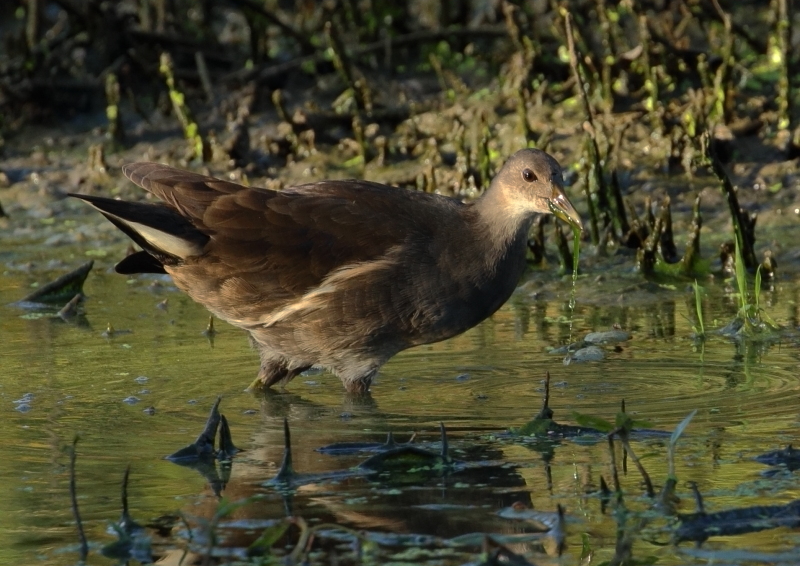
(436, 105)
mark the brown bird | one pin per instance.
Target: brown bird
(338, 274)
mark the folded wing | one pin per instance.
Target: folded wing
(283, 243)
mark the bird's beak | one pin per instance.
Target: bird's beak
(560, 206)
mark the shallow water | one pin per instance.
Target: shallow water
(66, 379)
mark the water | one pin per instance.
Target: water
(65, 379)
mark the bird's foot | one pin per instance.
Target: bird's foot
(360, 385)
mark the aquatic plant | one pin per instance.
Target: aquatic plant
(751, 320)
(115, 130)
(198, 145)
(698, 328)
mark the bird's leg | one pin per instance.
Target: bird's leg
(272, 372)
(360, 385)
(274, 368)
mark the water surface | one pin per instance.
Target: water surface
(66, 379)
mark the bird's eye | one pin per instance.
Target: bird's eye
(529, 175)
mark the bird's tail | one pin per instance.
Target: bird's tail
(166, 237)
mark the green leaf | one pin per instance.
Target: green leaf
(757, 288)
(624, 421)
(586, 547)
(641, 423)
(741, 281)
(676, 434)
(589, 421)
(268, 538)
(698, 306)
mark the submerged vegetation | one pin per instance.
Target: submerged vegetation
(294, 540)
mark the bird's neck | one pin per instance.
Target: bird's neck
(491, 258)
(502, 232)
(504, 225)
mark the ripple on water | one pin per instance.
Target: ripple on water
(488, 379)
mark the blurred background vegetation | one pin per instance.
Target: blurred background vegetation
(432, 94)
(57, 57)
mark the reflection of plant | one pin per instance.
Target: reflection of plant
(631, 524)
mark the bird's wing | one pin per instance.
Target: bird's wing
(285, 243)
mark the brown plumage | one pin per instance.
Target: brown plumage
(339, 274)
